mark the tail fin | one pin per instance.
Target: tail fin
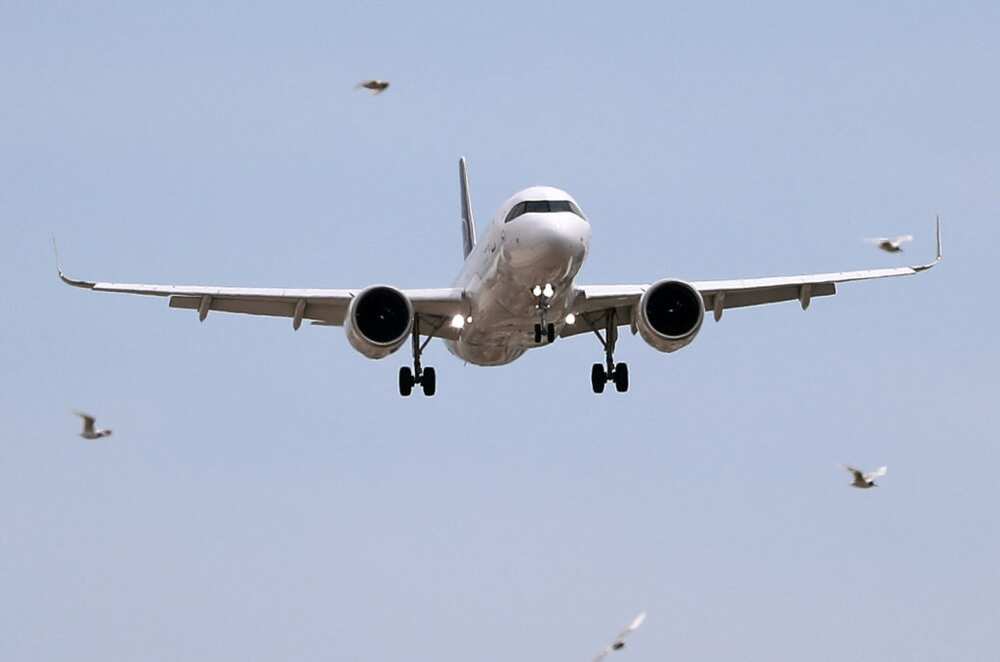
(468, 221)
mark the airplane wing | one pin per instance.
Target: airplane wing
(321, 306)
(593, 303)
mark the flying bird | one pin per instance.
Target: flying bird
(891, 244)
(619, 642)
(375, 86)
(89, 431)
(866, 480)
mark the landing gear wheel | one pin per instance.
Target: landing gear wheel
(621, 377)
(550, 332)
(426, 377)
(609, 371)
(406, 381)
(538, 334)
(598, 378)
(428, 381)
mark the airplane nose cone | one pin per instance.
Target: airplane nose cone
(546, 246)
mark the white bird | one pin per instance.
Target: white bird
(619, 642)
(891, 244)
(375, 86)
(89, 431)
(866, 480)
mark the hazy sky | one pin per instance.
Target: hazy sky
(267, 495)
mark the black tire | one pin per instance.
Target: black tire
(598, 378)
(538, 334)
(429, 381)
(550, 333)
(621, 377)
(405, 381)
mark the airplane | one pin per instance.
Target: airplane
(516, 291)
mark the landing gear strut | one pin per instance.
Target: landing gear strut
(609, 372)
(426, 377)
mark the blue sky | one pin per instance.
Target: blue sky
(268, 495)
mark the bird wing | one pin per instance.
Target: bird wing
(881, 471)
(876, 240)
(375, 86)
(602, 654)
(903, 238)
(634, 625)
(858, 475)
(88, 421)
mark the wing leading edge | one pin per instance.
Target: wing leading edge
(595, 302)
(321, 306)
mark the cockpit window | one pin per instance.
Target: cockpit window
(542, 207)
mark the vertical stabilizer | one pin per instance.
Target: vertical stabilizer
(468, 220)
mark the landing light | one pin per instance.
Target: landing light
(571, 319)
(548, 291)
(537, 290)
(457, 322)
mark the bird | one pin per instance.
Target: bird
(375, 86)
(89, 431)
(866, 480)
(891, 244)
(619, 642)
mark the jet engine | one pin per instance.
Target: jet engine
(670, 315)
(379, 320)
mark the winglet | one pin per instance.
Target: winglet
(938, 223)
(468, 220)
(939, 254)
(63, 277)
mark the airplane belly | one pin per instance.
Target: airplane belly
(491, 353)
(504, 315)
(495, 336)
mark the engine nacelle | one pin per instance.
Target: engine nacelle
(670, 314)
(379, 320)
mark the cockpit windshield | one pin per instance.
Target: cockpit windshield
(542, 207)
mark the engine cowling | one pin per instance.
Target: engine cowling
(379, 320)
(670, 315)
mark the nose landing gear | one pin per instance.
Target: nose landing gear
(426, 377)
(600, 375)
(550, 333)
(543, 296)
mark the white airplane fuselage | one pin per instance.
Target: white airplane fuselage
(507, 264)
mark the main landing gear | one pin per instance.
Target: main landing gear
(543, 296)
(426, 377)
(609, 372)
